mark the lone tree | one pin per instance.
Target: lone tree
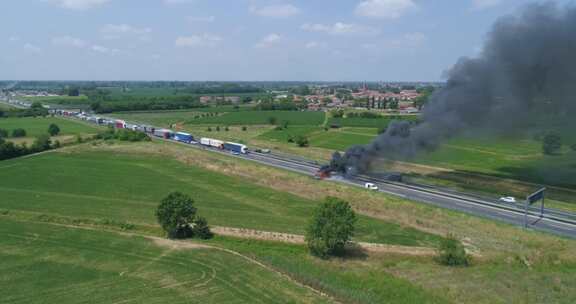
(551, 144)
(53, 129)
(451, 252)
(272, 120)
(175, 214)
(331, 228)
(302, 141)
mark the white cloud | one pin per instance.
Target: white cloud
(28, 47)
(13, 38)
(201, 19)
(115, 31)
(276, 11)
(339, 28)
(104, 50)
(79, 4)
(268, 41)
(203, 40)
(484, 4)
(386, 9)
(68, 41)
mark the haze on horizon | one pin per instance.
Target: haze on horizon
(241, 40)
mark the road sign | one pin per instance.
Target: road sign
(536, 196)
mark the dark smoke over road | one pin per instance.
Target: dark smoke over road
(526, 70)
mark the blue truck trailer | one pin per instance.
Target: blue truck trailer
(183, 137)
(234, 147)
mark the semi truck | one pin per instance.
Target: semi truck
(212, 142)
(183, 137)
(235, 147)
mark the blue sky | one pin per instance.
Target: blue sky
(331, 40)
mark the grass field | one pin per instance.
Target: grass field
(514, 266)
(128, 187)
(39, 125)
(261, 117)
(44, 263)
(369, 122)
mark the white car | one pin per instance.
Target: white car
(508, 199)
(370, 186)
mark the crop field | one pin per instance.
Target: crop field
(518, 158)
(129, 187)
(44, 263)
(39, 125)
(261, 118)
(369, 122)
(59, 99)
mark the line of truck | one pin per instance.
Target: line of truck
(235, 148)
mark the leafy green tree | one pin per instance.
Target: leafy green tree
(226, 129)
(451, 252)
(175, 214)
(551, 144)
(217, 128)
(53, 129)
(331, 228)
(272, 120)
(3, 133)
(201, 229)
(244, 128)
(209, 129)
(18, 132)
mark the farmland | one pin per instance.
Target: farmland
(47, 263)
(253, 196)
(225, 201)
(39, 125)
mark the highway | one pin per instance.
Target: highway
(562, 224)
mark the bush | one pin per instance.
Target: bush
(226, 129)
(302, 141)
(331, 228)
(3, 133)
(209, 129)
(53, 130)
(217, 128)
(18, 132)
(175, 214)
(451, 252)
(272, 120)
(41, 143)
(244, 128)
(201, 229)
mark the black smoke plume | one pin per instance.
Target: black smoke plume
(526, 71)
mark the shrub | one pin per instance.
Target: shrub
(226, 129)
(331, 228)
(302, 141)
(3, 133)
(18, 132)
(217, 128)
(209, 129)
(244, 128)
(272, 120)
(201, 229)
(451, 252)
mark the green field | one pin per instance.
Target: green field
(332, 139)
(128, 187)
(43, 263)
(65, 100)
(261, 118)
(369, 122)
(39, 125)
